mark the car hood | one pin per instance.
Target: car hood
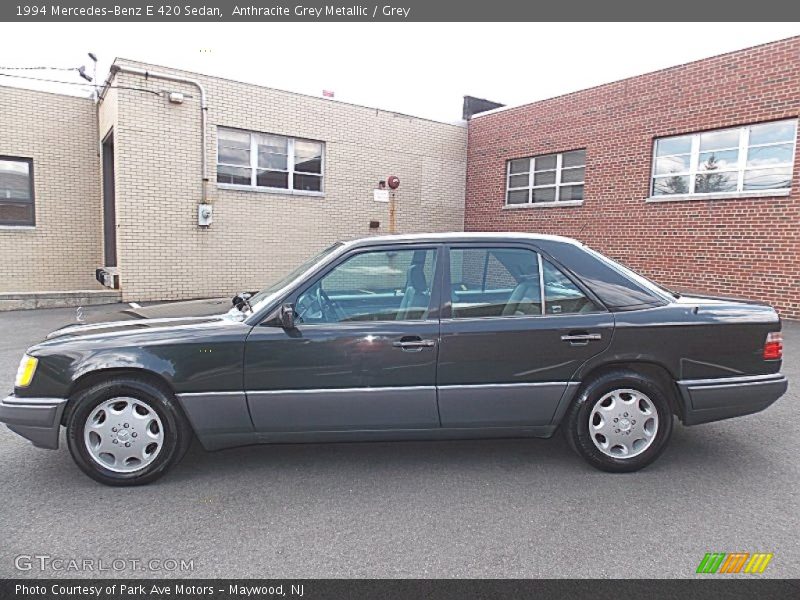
(170, 310)
(137, 318)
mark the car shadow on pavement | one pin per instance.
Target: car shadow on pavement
(407, 458)
(690, 450)
(395, 456)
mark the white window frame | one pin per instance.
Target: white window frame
(530, 187)
(290, 164)
(740, 169)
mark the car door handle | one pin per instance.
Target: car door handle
(414, 345)
(581, 337)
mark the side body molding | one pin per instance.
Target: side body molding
(217, 415)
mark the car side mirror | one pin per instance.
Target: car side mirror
(286, 316)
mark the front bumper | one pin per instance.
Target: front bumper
(706, 400)
(37, 419)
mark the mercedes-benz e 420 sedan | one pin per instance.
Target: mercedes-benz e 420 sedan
(435, 336)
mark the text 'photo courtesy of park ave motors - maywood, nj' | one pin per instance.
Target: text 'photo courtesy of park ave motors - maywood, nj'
(157, 590)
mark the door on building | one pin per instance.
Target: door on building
(514, 331)
(109, 203)
(362, 354)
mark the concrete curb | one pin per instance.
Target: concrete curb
(57, 299)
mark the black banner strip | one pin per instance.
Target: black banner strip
(730, 588)
(34, 11)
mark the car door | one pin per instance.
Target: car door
(362, 354)
(514, 329)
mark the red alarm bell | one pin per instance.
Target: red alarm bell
(393, 181)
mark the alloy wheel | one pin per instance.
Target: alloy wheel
(623, 423)
(123, 434)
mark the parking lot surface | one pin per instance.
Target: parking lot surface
(510, 508)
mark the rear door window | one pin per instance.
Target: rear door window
(494, 282)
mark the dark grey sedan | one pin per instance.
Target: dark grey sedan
(437, 336)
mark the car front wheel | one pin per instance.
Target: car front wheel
(126, 431)
(620, 421)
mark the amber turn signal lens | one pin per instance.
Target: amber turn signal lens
(27, 367)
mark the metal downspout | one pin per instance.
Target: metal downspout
(203, 111)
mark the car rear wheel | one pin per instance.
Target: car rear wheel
(126, 431)
(620, 421)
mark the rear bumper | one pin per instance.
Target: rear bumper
(36, 419)
(706, 400)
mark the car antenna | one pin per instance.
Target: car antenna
(583, 227)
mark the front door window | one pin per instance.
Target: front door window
(385, 285)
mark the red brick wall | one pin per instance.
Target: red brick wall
(736, 247)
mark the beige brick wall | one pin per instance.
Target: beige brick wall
(63, 249)
(256, 236)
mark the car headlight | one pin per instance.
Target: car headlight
(27, 367)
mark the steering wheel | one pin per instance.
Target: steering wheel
(316, 306)
(333, 312)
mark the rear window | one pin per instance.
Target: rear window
(618, 287)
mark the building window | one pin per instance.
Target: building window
(16, 191)
(546, 179)
(753, 158)
(262, 160)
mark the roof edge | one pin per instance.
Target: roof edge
(131, 61)
(616, 81)
(35, 91)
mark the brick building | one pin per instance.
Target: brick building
(688, 175)
(50, 213)
(118, 186)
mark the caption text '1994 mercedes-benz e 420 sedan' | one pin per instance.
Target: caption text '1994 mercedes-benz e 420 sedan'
(435, 336)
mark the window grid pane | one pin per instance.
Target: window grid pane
(751, 158)
(262, 160)
(548, 178)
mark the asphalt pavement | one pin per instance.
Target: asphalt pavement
(510, 508)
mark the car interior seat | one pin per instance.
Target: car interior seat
(416, 298)
(525, 299)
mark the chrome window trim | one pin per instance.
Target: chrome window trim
(541, 282)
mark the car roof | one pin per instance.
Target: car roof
(469, 236)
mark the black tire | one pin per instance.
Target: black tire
(576, 423)
(177, 434)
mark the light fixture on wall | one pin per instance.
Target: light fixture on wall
(93, 58)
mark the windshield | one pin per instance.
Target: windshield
(289, 277)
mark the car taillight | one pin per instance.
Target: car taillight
(773, 347)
